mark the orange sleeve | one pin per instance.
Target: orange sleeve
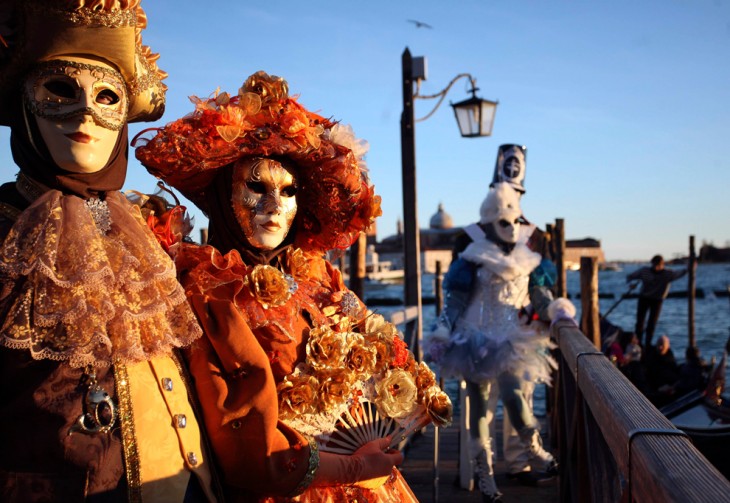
(237, 391)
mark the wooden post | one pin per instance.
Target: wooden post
(411, 234)
(691, 280)
(204, 235)
(561, 288)
(550, 232)
(438, 289)
(589, 318)
(357, 265)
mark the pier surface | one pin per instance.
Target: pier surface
(418, 470)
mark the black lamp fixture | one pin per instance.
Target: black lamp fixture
(475, 116)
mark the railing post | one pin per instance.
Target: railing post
(589, 318)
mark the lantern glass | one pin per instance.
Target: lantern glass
(475, 116)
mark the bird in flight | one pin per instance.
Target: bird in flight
(419, 24)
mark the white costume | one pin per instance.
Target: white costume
(488, 343)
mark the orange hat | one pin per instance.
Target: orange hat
(335, 199)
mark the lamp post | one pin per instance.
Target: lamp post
(475, 117)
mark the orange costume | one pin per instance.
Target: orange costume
(289, 349)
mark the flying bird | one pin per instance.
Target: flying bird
(420, 24)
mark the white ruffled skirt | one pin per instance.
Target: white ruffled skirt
(477, 355)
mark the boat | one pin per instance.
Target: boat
(705, 417)
(380, 270)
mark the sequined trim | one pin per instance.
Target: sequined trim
(311, 469)
(88, 17)
(145, 80)
(51, 107)
(129, 437)
(29, 188)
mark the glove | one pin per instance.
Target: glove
(369, 466)
(561, 309)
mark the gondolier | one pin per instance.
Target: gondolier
(654, 289)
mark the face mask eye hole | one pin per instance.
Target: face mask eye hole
(504, 224)
(256, 187)
(107, 97)
(60, 88)
(289, 191)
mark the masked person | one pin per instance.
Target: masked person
(510, 167)
(93, 400)
(288, 348)
(482, 338)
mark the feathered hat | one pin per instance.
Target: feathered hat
(32, 31)
(335, 199)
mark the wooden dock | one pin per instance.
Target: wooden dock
(418, 470)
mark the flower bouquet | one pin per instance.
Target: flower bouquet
(359, 382)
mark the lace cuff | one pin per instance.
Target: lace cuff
(311, 469)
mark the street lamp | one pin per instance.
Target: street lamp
(475, 117)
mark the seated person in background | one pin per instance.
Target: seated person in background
(692, 373)
(625, 353)
(662, 371)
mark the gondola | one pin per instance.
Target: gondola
(705, 417)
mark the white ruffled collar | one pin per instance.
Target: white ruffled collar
(483, 252)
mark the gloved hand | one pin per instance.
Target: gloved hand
(436, 342)
(562, 309)
(369, 466)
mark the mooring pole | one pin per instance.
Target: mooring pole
(691, 281)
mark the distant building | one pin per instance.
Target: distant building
(577, 248)
(438, 240)
(436, 243)
(709, 253)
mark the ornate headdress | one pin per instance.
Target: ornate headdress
(335, 199)
(32, 31)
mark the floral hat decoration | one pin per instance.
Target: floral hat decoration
(335, 199)
(35, 31)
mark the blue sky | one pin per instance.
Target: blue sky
(624, 106)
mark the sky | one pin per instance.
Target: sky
(623, 105)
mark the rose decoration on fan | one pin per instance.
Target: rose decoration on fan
(358, 382)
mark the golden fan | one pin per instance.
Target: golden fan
(363, 423)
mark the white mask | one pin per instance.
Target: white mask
(81, 106)
(263, 200)
(507, 230)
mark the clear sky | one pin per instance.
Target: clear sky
(624, 105)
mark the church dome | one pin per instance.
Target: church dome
(441, 219)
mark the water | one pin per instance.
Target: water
(712, 313)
